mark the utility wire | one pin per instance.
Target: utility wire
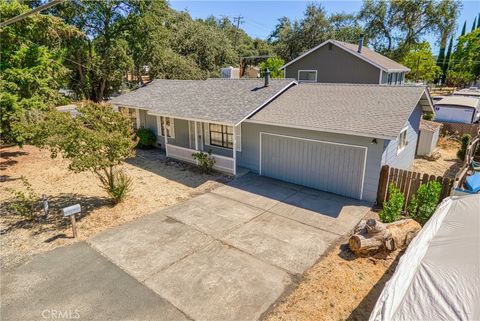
(33, 11)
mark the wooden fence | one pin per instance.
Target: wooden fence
(472, 148)
(408, 182)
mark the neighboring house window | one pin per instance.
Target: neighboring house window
(167, 122)
(402, 140)
(389, 79)
(307, 75)
(221, 135)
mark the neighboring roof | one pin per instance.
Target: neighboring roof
(461, 101)
(227, 101)
(429, 125)
(472, 91)
(370, 56)
(437, 278)
(364, 110)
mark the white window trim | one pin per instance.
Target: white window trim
(161, 121)
(316, 75)
(399, 150)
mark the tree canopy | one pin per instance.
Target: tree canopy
(422, 64)
(32, 66)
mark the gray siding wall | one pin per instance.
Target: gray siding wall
(249, 156)
(405, 158)
(335, 66)
(182, 138)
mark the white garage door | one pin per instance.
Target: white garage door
(331, 167)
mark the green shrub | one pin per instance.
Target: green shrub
(25, 203)
(425, 201)
(118, 186)
(205, 161)
(428, 116)
(466, 138)
(392, 209)
(146, 138)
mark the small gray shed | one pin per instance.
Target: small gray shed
(428, 138)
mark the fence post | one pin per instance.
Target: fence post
(382, 185)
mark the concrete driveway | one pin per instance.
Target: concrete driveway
(225, 255)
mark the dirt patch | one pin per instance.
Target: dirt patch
(447, 165)
(158, 183)
(339, 287)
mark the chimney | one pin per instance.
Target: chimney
(267, 77)
(360, 43)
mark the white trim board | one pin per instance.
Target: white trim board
(305, 70)
(365, 148)
(294, 82)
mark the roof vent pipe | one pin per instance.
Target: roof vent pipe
(360, 43)
(267, 77)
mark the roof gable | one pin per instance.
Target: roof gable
(368, 55)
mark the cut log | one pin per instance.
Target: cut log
(372, 236)
(403, 232)
(361, 244)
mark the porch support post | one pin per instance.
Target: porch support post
(234, 152)
(165, 136)
(137, 116)
(196, 135)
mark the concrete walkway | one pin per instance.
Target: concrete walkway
(225, 255)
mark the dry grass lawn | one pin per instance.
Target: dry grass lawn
(157, 184)
(339, 287)
(447, 165)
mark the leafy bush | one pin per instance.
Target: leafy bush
(25, 203)
(466, 138)
(392, 209)
(205, 161)
(118, 186)
(428, 116)
(424, 202)
(147, 138)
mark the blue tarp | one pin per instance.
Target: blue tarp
(473, 182)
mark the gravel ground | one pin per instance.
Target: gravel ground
(157, 183)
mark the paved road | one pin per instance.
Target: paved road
(225, 255)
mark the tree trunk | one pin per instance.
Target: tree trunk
(372, 236)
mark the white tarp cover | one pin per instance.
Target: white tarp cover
(438, 277)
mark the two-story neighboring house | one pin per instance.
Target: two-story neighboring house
(335, 61)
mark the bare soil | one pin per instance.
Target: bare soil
(339, 287)
(447, 165)
(157, 183)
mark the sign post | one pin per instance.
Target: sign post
(71, 211)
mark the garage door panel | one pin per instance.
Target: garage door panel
(335, 168)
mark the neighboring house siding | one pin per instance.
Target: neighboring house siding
(249, 157)
(335, 66)
(405, 158)
(181, 133)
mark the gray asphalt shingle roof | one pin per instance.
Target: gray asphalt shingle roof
(365, 110)
(379, 59)
(226, 101)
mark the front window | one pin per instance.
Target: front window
(221, 135)
(167, 123)
(307, 75)
(402, 140)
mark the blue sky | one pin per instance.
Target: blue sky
(260, 17)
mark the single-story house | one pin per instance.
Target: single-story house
(332, 137)
(457, 109)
